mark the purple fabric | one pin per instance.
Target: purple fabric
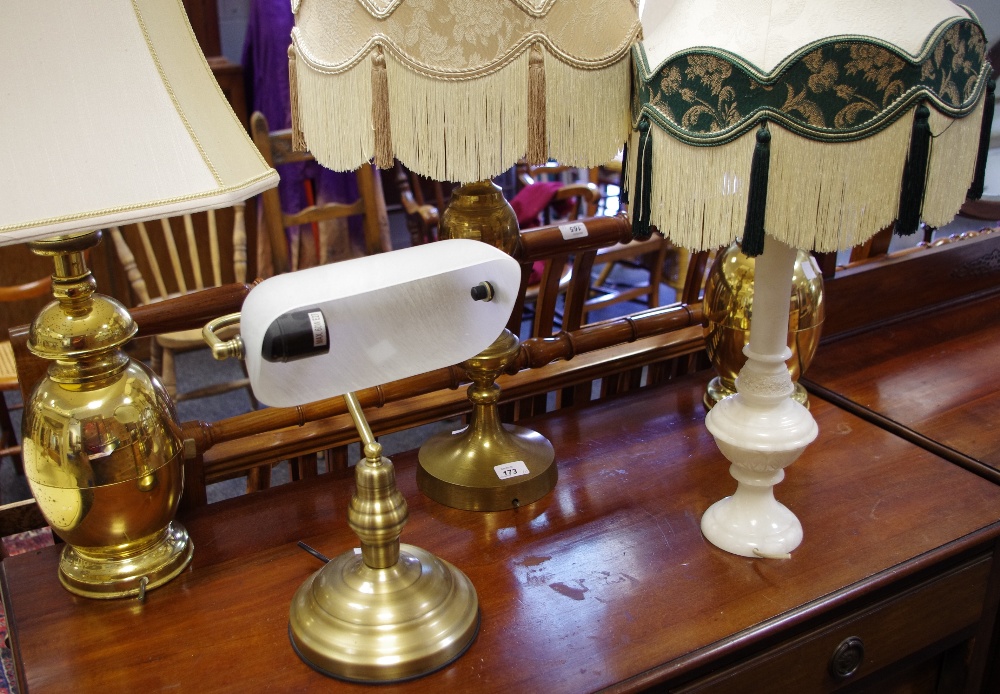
(265, 69)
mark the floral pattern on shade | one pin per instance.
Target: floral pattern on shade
(844, 88)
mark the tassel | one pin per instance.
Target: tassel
(979, 180)
(760, 167)
(623, 187)
(914, 174)
(380, 111)
(298, 138)
(537, 145)
(641, 229)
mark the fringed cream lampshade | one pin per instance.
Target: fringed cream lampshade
(814, 124)
(460, 90)
(110, 114)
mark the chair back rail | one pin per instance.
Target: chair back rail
(276, 148)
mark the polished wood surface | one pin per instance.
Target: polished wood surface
(606, 582)
(917, 281)
(933, 379)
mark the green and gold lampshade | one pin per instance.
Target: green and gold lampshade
(847, 117)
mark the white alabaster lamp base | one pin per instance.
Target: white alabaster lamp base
(761, 430)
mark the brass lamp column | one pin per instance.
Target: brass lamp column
(101, 447)
(488, 465)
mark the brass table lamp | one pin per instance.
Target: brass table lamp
(386, 611)
(111, 116)
(809, 125)
(459, 90)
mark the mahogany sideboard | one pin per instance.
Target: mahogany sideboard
(606, 583)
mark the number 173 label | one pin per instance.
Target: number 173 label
(514, 469)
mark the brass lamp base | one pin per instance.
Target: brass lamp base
(717, 390)
(386, 611)
(488, 466)
(359, 623)
(101, 449)
(105, 576)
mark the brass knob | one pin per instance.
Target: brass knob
(847, 658)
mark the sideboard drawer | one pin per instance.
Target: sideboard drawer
(843, 652)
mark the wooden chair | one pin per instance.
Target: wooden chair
(184, 273)
(649, 256)
(276, 148)
(423, 200)
(9, 445)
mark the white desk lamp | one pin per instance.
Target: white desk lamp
(386, 611)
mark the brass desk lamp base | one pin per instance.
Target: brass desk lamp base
(385, 612)
(355, 622)
(122, 576)
(451, 473)
(488, 466)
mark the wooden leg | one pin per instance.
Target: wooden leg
(168, 374)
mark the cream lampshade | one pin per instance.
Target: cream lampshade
(110, 114)
(460, 90)
(807, 125)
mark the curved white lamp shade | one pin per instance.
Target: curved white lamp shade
(378, 318)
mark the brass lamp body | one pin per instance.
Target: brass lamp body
(487, 466)
(102, 451)
(727, 309)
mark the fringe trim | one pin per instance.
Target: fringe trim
(587, 112)
(461, 131)
(298, 139)
(821, 196)
(954, 150)
(380, 111)
(335, 114)
(537, 143)
(699, 194)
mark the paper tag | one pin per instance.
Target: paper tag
(575, 230)
(508, 470)
(318, 327)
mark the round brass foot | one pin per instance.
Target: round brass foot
(717, 390)
(106, 575)
(359, 623)
(487, 468)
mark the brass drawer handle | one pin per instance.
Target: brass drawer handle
(847, 658)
